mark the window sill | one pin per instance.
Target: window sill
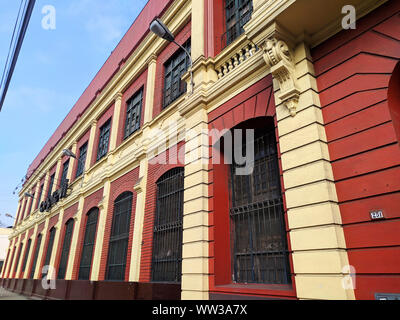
(256, 289)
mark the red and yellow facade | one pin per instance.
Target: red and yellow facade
(332, 95)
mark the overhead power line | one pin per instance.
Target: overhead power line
(15, 46)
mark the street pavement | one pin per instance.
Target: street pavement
(8, 295)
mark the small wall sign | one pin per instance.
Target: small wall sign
(377, 214)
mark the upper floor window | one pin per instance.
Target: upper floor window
(81, 160)
(104, 140)
(174, 68)
(40, 196)
(51, 185)
(237, 14)
(133, 113)
(168, 223)
(64, 172)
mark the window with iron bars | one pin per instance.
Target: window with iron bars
(258, 233)
(36, 255)
(28, 248)
(64, 173)
(69, 229)
(237, 14)
(104, 140)
(51, 185)
(118, 245)
(133, 114)
(167, 236)
(40, 196)
(174, 68)
(49, 247)
(81, 161)
(88, 244)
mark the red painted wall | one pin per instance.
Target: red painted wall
(353, 72)
(119, 186)
(254, 102)
(155, 171)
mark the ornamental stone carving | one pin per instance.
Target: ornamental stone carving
(279, 58)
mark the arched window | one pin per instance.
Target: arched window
(167, 237)
(88, 244)
(36, 255)
(28, 248)
(49, 247)
(118, 246)
(258, 233)
(69, 229)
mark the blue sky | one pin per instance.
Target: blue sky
(53, 70)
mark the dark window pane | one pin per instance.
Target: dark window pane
(259, 246)
(35, 258)
(237, 14)
(69, 228)
(40, 196)
(118, 245)
(81, 160)
(18, 258)
(88, 244)
(51, 185)
(167, 237)
(28, 248)
(174, 68)
(64, 173)
(49, 247)
(133, 113)
(104, 140)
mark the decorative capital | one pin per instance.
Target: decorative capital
(279, 58)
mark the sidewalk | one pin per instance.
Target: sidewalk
(8, 295)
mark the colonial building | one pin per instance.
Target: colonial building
(138, 207)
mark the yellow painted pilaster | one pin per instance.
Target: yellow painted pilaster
(57, 241)
(74, 242)
(57, 176)
(197, 48)
(195, 273)
(115, 121)
(140, 189)
(72, 161)
(36, 200)
(150, 89)
(103, 207)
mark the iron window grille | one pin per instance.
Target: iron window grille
(28, 248)
(36, 255)
(88, 244)
(119, 238)
(51, 185)
(40, 196)
(133, 113)
(49, 247)
(69, 229)
(237, 14)
(104, 140)
(258, 233)
(64, 173)
(18, 258)
(174, 68)
(167, 236)
(81, 161)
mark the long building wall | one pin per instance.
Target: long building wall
(325, 96)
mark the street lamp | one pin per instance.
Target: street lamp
(69, 153)
(27, 194)
(161, 30)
